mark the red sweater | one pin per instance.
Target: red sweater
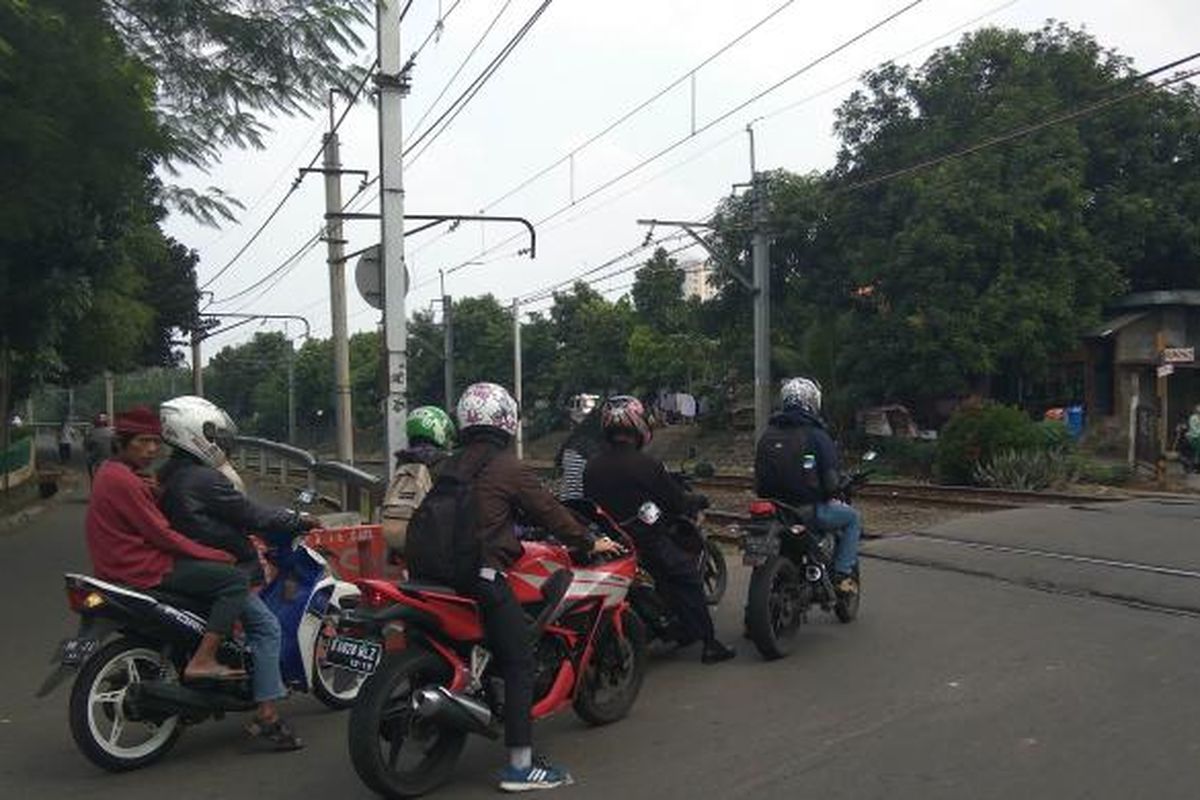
(128, 538)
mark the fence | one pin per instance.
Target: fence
(17, 463)
(343, 486)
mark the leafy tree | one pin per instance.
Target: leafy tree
(658, 293)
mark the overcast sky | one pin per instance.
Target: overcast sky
(582, 66)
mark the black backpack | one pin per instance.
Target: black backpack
(442, 544)
(785, 465)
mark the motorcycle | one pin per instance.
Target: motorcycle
(792, 560)
(128, 705)
(421, 702)
(714, 572)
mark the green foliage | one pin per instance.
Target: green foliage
(1028, 469)
(910, 457)
(974, 435)
(1106, 473)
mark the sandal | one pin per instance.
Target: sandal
(274, 735)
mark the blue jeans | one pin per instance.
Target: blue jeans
(848, 523)
(263, 635)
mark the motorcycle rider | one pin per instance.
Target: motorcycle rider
(620, 480)
(503, 488)
(131, 542)
(203, 503)
(430, 438)
(811, 475)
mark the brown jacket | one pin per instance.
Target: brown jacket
(504, 489)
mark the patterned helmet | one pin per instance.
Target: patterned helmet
(625, 414)
(487, 405)
(801, 393)
(431, 424)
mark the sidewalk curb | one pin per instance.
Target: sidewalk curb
(21, 517)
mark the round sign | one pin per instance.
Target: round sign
(368, 277)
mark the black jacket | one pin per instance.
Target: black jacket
(204, 505)
(622, 478)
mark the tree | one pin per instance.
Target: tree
(220, 66)
(658, 293)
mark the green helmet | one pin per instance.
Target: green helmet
(431, 424)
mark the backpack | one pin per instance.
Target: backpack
(785, 465)
(442, 544)
(404, 495)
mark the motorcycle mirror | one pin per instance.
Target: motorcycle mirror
(870, 456)
(649, 513)
(306, 497)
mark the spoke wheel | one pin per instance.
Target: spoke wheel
(775, 608)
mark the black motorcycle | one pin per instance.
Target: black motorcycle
(792, 560)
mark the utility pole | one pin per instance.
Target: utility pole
(197, 373)
(516, 312)
(392, 84)
(343, 402)
(291, 403)
(761, 256)
(108, 395)
(448, 344)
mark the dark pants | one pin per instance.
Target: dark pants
(224, 584)
(676, 574)
(508, 638)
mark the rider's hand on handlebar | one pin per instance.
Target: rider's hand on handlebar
(606, 545)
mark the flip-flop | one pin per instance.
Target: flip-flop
(277, 735)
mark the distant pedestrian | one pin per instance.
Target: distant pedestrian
(65, 435)
(99, 443)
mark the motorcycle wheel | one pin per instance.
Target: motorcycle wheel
(846, 607)
(98, 713)
(337, 688)
(774, 609)
(382, 723)
(714, 572)
(613, 677)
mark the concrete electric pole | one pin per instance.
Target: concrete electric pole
(448, 345)
(335, 247)
(391, 83)
(517, 392)
(761, 257)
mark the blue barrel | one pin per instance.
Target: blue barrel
(1074, 420)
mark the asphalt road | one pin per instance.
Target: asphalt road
(970, 674)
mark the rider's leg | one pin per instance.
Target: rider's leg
(264, 636)
(507, 635)
(227, 587)
(848, 523)
(677, 576)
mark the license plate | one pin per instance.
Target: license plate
(757, 549)
(356, 655)
(73, 652)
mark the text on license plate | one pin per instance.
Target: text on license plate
(74, 652)
(356, 655)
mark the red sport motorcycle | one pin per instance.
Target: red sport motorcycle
(422, 699)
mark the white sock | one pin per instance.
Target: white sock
(520, 757)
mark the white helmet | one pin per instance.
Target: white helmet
(801, 393)
(487, 405)
(199, 427)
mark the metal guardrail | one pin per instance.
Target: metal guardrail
(359, 490)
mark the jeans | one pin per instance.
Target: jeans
(848, 522)
(263, 635)
(507, 634)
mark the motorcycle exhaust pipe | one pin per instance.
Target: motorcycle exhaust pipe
(173, 698)
(439, 705)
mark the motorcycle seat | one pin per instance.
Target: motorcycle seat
(419, 587)
(184, 602)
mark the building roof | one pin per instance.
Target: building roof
(1110, 326)
(1172, 297)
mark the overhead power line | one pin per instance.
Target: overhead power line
(462, 65)
(707, 126)
(451, 113)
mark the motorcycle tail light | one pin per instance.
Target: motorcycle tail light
(80, 599)
(762, 508)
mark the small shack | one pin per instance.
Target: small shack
(1146, 336)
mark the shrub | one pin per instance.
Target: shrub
(975, 435)
(911, 457)
(1053, 435)
(1028, 469)
(1105, 473)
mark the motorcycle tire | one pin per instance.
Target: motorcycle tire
(337, 689)
(371, 736)
(122, 661)
(714, 572)
(610, 652)
(773, 609)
